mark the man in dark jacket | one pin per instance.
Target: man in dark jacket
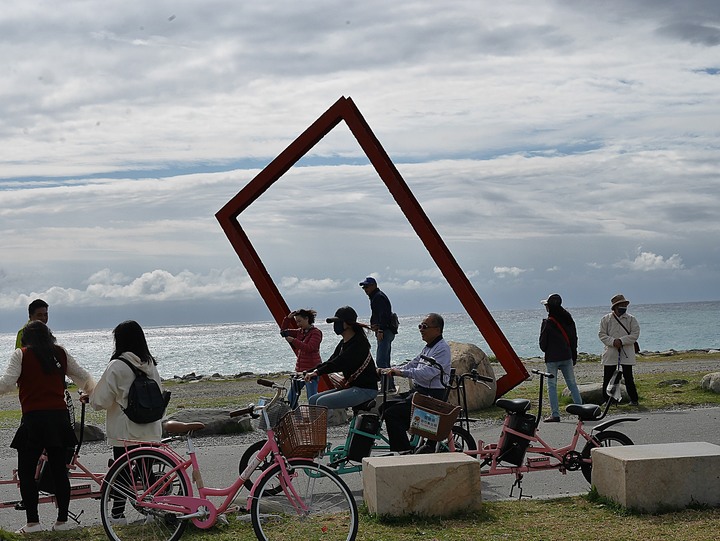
(558, 339)
(380, 323)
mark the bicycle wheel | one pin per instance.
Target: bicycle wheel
(122, 516)
(463, 440)
(329, 510)
(608, 438)
(249, 455)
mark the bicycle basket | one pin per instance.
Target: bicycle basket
(275, 412)
(302, 432)
(432, 418)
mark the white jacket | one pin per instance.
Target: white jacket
(111, 393)
(610, 329)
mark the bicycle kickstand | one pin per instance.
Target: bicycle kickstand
(518, 483)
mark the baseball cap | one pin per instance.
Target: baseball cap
(552, 300)
(368, 281)
(344, 313)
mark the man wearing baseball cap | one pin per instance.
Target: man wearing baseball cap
(380, 323)
(619, 332)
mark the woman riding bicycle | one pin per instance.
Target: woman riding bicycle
(352, 357)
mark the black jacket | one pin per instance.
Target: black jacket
(553, 342)
(347, 358)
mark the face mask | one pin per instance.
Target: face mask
(338, 327)
(621, 310)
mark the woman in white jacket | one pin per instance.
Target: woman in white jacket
(111, 393)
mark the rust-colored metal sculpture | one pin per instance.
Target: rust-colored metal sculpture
(345, 110)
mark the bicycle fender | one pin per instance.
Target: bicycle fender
(611, 422)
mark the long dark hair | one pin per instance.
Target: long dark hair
(129, 336)
(38, 337)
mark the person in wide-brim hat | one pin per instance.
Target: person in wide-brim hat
(619, 332)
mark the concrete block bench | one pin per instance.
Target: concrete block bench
(665, 476)
(433, 484)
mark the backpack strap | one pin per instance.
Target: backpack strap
(134, 368)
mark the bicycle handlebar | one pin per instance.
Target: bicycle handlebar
(266, 383)
(541, 373)
(244, 411)
(471, 375)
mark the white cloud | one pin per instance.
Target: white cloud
(503, 272)
(528, 136)
(647, 261)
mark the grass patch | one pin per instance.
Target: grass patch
(581, 517)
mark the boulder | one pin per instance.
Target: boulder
(465, 358)
(711, 382)
(216, 421)
(90, 433)
(591, 393)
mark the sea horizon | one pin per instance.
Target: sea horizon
(256, 347)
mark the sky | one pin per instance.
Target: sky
(557, 146)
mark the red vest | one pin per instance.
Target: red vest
(39, 390)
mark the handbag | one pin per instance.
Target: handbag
(635, 345)
(339, 382)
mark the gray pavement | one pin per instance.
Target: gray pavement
(219, 460)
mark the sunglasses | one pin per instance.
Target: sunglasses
(424, 326)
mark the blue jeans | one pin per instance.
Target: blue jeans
(296, 386)
(382, 358)
(566, 367)
(342, 398)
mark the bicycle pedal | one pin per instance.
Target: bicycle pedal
(222, 519)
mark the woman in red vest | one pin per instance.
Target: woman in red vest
(38, 369)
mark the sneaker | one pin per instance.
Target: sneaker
(552, 419)
(118, 521)
(634, 403)
(30, 529)
(62, 526)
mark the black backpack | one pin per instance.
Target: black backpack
(146, 403)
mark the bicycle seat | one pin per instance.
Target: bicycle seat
(586, 412)
(178, 427)
(365, 406)
(514, 405)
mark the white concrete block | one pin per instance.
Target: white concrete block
(433, 484)
(651, 478)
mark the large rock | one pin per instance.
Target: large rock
(711, 382)
(465, 358)
(216, 421)
(90, 433)
(591, 393)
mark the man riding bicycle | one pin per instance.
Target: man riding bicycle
(426, 380)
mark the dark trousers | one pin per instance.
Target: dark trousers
(56, 468)
(609, 370)
(397, 417)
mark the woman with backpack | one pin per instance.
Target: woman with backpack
(38, 369)
(111, 392)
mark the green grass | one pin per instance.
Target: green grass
(580, 517)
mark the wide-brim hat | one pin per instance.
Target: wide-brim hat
(552, 300)
(346, 314)
(618, 299)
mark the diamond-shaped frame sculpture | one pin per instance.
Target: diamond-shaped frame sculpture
(345, 109)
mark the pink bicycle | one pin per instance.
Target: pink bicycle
(148, 494)
(83, 482)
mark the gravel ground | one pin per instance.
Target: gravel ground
(585, 373)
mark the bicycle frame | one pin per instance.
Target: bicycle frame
(200, 509)
(76, 472)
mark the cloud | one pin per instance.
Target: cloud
(647, 261)
(504, 272)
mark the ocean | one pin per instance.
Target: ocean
(257, 347)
